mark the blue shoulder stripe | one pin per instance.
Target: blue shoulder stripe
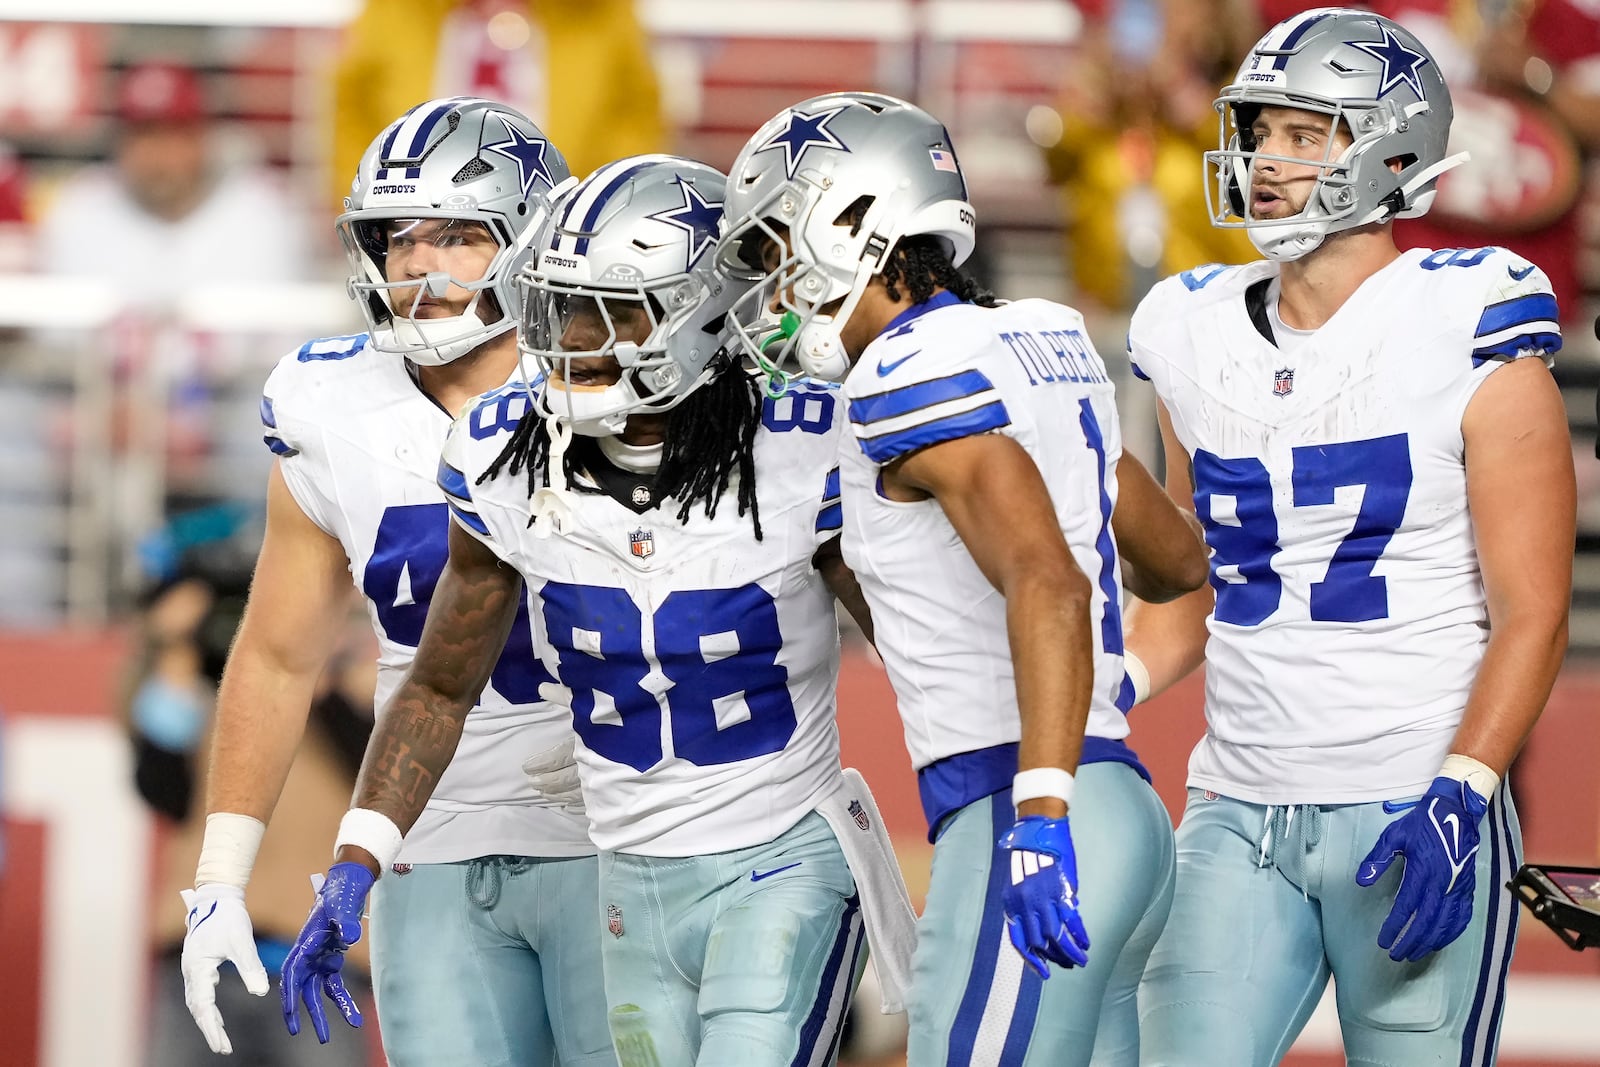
(469, 519)
(918, 395)
(454, 483)
(1535, 307)
(830, 487)
(1138, 371)
(1548, 343)
(830, 518)
(269, 418)
(279, 446)
(885, 447)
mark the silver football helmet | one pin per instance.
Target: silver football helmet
(1377, 82)
(817, 199)
(623, 268)
(444, 167)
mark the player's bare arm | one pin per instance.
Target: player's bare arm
(993, 495)
(469, 619)
(1521, 493)
(1163, 546)
(1169, 639)
(290, 624)
(841, 581)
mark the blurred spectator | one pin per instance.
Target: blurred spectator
(203, 562)
(581, 69)
(14, 241)
(166, 214)
(1135, 115)
(1524, 76)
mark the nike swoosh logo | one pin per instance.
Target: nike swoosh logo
(756, 876)
(1518, 275)
(203, 918)
(886, 369)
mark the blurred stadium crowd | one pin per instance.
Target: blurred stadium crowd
(167, 192)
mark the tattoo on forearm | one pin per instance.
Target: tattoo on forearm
(417, 734)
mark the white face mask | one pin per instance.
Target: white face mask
(435, 342)
(591, 412)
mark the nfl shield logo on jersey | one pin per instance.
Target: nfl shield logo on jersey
(1283, 381)
(859, 815)
(614, 920)
(642, 543)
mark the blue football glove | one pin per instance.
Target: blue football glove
(1439, 839)
(1041, 903)
(312, 967)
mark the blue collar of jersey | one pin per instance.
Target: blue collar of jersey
(943, 298)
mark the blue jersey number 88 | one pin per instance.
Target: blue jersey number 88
(712, 645)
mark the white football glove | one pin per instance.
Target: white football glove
(554, 774)
(218, 930)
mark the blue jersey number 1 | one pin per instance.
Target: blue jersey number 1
(1244, 536)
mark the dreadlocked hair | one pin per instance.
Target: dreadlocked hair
(528, 449)
(710, 437)
(921, 263)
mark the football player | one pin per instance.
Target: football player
(978, 479)
(1380, 457)
(481, 950)
(677, 531)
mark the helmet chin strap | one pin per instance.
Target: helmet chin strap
(818, 346)
(551, 505)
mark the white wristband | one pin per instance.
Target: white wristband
(228, 850)
(373, 831)
(1138, 674)
(1476, 774)
(1039, 782)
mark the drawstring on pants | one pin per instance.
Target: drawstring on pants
(486, 874)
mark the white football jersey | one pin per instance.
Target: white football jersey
(1330, 476)
(358, 443)
(700, 664)
(943, 371)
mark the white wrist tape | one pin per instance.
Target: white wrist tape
(373, 831)
(1039, 782)
(1476, 774)
(228, 850)
(1138, 674)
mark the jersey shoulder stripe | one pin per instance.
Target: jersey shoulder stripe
(898, 421)
(1521, 324)
(453, 483)
(831, 518)
(269, 422)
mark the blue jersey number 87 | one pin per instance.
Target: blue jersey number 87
(716, 649)
(1247, 541)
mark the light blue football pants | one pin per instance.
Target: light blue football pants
(493, 962)
(736, 959)
(974, 1002)
(1267, 908)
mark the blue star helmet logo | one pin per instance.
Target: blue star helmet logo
(528, 152)
(1401, 65)
(801, 134)
(698, 217)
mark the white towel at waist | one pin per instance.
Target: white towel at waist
(886, 911)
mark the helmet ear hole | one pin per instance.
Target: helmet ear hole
(855, 214)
